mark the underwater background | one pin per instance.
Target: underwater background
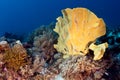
(23, 16)
(59, 40)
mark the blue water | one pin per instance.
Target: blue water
(23, 16)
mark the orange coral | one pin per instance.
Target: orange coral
(15, 57)
(77, 29)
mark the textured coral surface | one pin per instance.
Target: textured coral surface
(99, 50)
(15, 57)
(77, 28)
(82, 68)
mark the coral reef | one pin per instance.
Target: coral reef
(38, 71)
(15, 57)
(15, 64)
(72, 68)
(82, 68)
(78, 28)
(37, 59)
(113, 52)
(40, 31)
(44, 38)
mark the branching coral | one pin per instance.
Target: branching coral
(15, 57)
(44, 39)
(77, 29)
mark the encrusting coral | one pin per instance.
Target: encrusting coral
(77, 29)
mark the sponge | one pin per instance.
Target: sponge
(77, 29)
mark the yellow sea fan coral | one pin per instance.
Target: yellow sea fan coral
(98, 50)
(77, 28)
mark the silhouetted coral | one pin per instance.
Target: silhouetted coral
(41, 31)
(11, 37)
